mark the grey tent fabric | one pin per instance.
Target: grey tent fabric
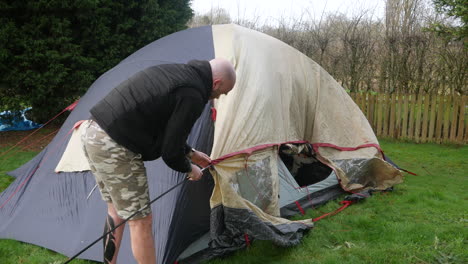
(48, 209)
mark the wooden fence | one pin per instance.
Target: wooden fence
(419, 118)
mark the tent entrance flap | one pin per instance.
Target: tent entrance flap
(252, 195)
(245, 203)
(303, 164)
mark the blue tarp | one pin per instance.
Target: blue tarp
(16, 120)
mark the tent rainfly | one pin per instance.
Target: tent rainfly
(288, 137)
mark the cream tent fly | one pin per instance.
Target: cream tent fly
(287, 138)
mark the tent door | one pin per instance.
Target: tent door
(301, 162)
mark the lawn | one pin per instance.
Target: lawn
(424, 220)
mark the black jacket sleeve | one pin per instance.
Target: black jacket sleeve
(188, 107)
(188, 148)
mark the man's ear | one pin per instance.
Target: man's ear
(216, 84)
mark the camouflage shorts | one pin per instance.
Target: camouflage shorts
(120, 173)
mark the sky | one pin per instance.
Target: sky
(270, 11)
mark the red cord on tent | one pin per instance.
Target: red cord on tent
(251, 150)
(25, 147)
(42, 138)
(72, 106)
(247, 240)
(412, 173)
(344, 205)
(213, 113)
(35, 169)
(68, 108)
(316, 147)
(300, 208)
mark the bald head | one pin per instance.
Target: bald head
(224, 77)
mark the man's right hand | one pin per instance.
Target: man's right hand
(196, 173)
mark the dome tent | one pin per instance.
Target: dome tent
(282, 101)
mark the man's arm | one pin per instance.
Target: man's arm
(199, 158)
(188, 149)
(187, 110)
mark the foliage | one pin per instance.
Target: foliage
(214, 16)
(51, 51)
(457, 9)
(366, 52)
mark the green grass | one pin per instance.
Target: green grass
(424, 220)
(10, 161)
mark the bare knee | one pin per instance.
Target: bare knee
(141, 227)
(146, 221)
(112, 212)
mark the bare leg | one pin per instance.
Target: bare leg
(141, 232)
(113, 239)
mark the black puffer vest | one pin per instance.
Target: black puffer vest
(152, 112)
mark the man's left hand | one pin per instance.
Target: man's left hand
(201, 159)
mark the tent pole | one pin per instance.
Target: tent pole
(91, 192)
(128, 218)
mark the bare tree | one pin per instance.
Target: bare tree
(214, 16)
(358, 43)
(404, 45)
(393, 54)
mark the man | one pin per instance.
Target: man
(148, 116)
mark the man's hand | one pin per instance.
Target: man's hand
(201, 159)
(195, 174)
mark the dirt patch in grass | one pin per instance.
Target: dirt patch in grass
(31, 140)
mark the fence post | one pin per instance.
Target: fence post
(361, 102)
(379, 114)
(446, 118)
(368, 115)
(454, 119)
(411, 116)
(418, 111)
(440, 117)
(391, 119)
(371, 111)
(461, 121)
(425, 118)
(385, 114)
(432, 118)
(404, 130)
(399, 103)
